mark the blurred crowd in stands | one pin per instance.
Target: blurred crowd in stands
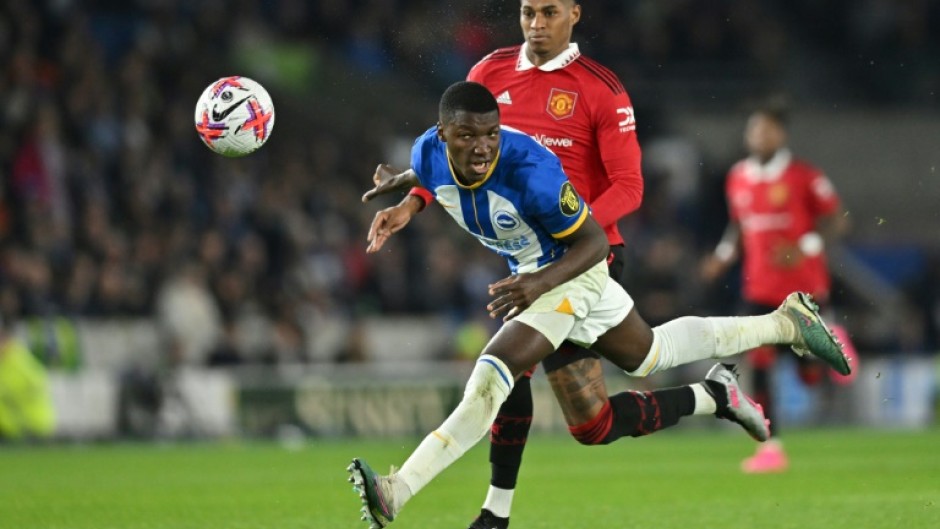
(110, 206)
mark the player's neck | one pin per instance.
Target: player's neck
(462, 180)
(765, 159)
(539, 60)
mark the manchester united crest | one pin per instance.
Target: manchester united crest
(777, 194)
(561, 103)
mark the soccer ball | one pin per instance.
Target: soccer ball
(234, 116)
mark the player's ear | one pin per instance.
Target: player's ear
(575, 13)
(440, 132)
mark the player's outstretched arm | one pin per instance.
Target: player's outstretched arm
(387, 180)
(726, 253)
(587, 246)
(834, 226)
(391, 220)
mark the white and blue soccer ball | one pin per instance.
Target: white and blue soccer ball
(234, 116)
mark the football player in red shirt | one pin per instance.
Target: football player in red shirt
(579, 109)
(783, 212)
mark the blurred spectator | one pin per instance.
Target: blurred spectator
(227, 351)
(105, 188)
(189, 316)
(25, 401)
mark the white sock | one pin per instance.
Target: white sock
(499, 501)
(734, 335)
(690, 338)
(704, 402)
(488, 387)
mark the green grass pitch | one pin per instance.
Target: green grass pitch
(675, 480)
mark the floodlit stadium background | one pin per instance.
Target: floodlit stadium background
(175, 294)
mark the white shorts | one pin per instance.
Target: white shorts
(580, 310)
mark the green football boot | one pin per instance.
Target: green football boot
(815, 336)
(374, 493)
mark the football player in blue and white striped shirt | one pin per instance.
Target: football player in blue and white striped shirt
(510, 193)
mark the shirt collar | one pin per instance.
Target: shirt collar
(489, 172)
(560, 61)
(772, 170)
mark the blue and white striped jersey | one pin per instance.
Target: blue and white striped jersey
(519, 210)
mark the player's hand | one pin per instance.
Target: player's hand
(385, 223)
(387, 180)
(787, 255)
(514, 294)
(711, 268)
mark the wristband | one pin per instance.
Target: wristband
(724, 251)
(423, 194)
(811, 244)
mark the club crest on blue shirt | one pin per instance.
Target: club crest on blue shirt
(505, 220)
(568, 200)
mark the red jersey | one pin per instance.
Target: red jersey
(579, 110)
(775, 204)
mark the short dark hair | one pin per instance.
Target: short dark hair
(466, 96)
(776, 107)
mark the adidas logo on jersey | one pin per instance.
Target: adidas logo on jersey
(504, 99)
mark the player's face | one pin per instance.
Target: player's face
(546, 26)
(764, 136)
(472, 143)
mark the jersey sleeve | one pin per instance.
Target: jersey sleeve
(479, 71)
(730, 183)
(476, 74)
(553, 201)
(421, 153)
(823, 197)
(615, 133)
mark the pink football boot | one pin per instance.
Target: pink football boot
(769, 458)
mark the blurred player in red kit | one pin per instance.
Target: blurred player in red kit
(783, 212)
